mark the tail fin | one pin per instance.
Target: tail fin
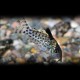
(49, 33)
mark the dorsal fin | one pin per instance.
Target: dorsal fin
(49, 33)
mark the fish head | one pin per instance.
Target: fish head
(56, 52)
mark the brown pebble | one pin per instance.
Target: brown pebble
(39, 59)
(20, 60)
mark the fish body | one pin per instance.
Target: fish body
(44, 41)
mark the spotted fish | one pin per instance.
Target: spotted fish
(44, 41)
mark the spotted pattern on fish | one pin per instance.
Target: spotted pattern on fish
(42, 40)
